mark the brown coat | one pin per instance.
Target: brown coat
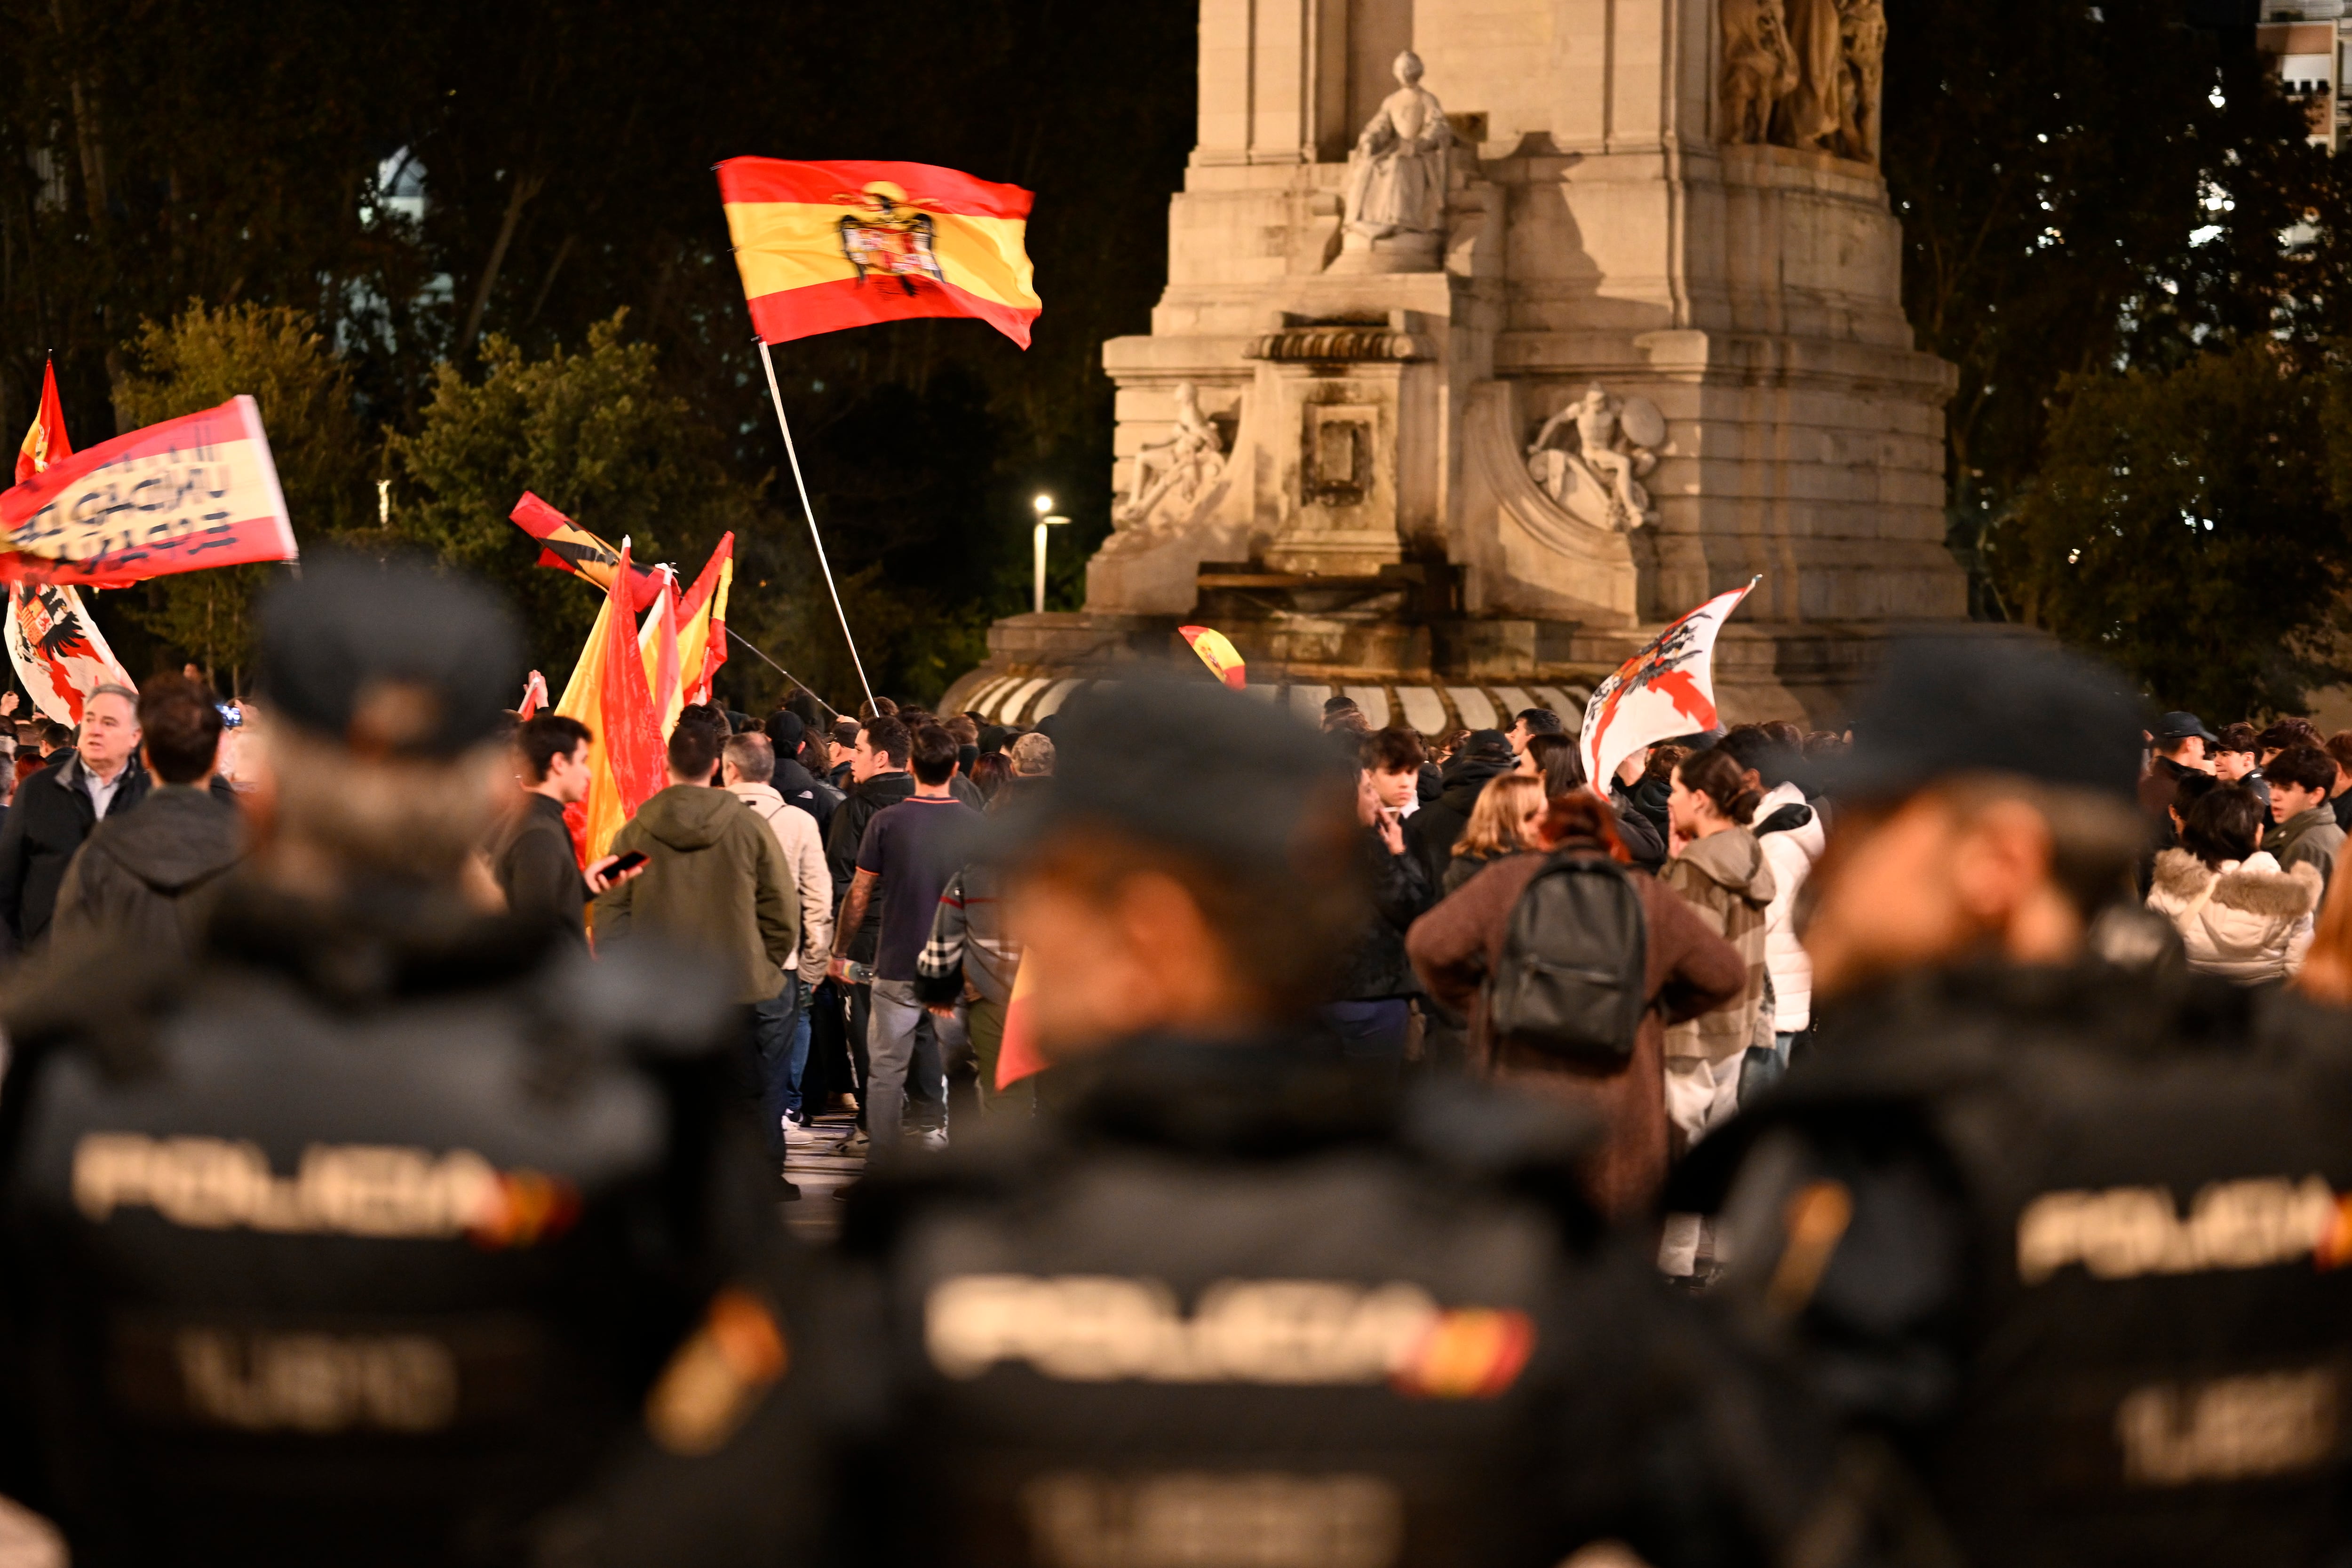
(1691, 970)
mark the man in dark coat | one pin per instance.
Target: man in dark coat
(147, 879)
(1431, 831)
(57, 807)
(799, 786)
(532, 857)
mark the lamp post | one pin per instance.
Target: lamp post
(1045, 505)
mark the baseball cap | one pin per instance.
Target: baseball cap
(1492, 745)
(1958, 703)
(786, 732)
(1185, 764)
(388, 657)
(2179, 726)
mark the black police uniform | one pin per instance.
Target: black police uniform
(366, 1236)
(2076, 1244)
(1242, 1304)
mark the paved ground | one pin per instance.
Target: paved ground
(820, 1161)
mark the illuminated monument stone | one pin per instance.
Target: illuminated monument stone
(1496, 330)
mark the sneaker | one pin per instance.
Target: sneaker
(856, 1142)
(787, 1191)
(932, 1138)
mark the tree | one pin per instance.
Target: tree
(324, 455)
(599, 437)
(2183, 525)
(2086, 188)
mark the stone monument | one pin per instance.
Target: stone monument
(1497, 332)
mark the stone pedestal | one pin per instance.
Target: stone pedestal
(1376, 513)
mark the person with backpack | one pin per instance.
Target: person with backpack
(1570, 967)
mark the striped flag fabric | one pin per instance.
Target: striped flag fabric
(59, 651)
(823, 246)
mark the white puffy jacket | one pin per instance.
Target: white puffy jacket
(2248, 922)
(1790, 852)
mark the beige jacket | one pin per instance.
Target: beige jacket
(795, 832)
(1728, 882)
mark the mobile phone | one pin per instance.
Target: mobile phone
(230, 717)
(629, 862)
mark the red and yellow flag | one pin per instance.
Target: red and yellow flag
(566, 546)
(608, 693)
(1217, 651)
(703, 623)
(827, 246)
(46, 442)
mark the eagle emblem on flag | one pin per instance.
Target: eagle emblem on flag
(888, 234)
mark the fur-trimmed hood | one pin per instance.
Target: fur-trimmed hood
(2249, 921)
(2255, 885)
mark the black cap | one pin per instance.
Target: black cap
(2177, 726)
(1186, 764)
(389, 658)
(786, 732)
(1943, 705)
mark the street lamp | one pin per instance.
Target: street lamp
(1045, 505)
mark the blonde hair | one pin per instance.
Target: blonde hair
(1495, 821)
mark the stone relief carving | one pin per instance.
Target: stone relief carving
(1804, 73)
(1598, 449)
(1179, 471)
(1396, 175)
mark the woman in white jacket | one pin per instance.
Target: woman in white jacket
(2239, 915)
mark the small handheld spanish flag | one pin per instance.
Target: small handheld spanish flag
(1218, 652)
(827, 246)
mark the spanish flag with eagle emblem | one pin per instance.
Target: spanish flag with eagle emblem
(823, 246)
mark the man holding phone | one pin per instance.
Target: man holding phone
(532, 858)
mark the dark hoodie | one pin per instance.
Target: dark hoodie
(147, 879)
(1430, 833)
(715, 879)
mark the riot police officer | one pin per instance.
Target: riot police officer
(2054, 1227)
(367, 1234)
(1234, 1300)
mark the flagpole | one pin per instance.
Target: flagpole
(793, 454)
(780, 670)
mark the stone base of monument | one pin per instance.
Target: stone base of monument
(1434, 667)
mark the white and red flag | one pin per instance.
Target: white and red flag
(59, 651)
(1664, 690)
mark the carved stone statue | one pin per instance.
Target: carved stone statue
(1862, 36)
(1759, 67)
(1804, 73)
(1396, 175)
(1179, 468)
(1615, 445)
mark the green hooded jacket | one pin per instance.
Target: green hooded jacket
(714, 879)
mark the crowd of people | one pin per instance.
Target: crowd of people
(382, 1178)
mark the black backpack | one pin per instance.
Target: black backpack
(1575, 959)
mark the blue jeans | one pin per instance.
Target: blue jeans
(802, 1015)
(775, 1026)
(1760, 1068)
(1372, 1034)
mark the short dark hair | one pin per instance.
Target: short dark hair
(845, 732)
(964, 728)
(2192, 787)
(2303, 767)
(2237, 737)
(1541, 722)
(2222, 827)
(2339, 746)
(694, 749)
(56, 736)
(1755, 746)
(548, 736)
(933, 753)
(2287, 732)
(1393, 750)
(179, 728)
(708, 714)
(887, 736)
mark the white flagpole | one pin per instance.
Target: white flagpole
(793, 454)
